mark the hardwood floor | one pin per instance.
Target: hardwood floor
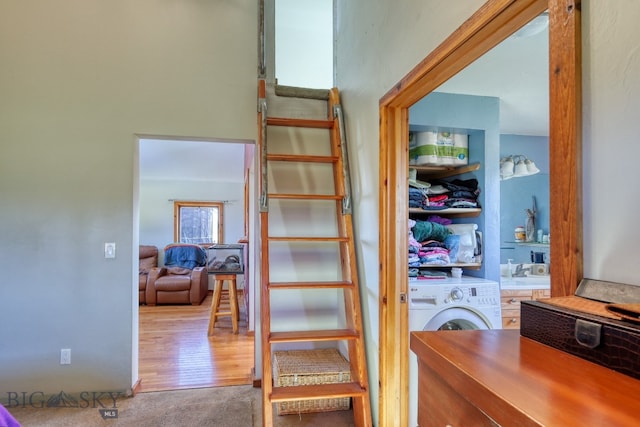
(176, 353)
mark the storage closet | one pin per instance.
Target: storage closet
(477, 118)
(445, 243)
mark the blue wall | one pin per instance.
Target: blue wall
(503, 202)
(478, 116)
(516, 196)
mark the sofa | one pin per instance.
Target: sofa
(148, 256)
(183, 279)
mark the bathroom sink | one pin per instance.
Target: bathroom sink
(526, 281)
(530, 280)
(537, 280)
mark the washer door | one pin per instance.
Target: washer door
(457, 318)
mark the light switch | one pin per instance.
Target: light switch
(110, 250)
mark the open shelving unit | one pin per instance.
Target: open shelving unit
(437, 172)
(440, 172)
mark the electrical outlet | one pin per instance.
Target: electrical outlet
(65, 356)
(110, 250)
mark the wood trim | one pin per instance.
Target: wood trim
(491, 24)
(565, 145)
(247, 213)
(177, 204)
(393, 387)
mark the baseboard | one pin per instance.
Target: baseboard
(257, 382)
(136, 387)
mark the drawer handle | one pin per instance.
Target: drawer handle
(513, 301)
(514, 320)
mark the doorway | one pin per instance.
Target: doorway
(482, 31)
(174, 350)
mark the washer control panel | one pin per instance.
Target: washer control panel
(434, 295)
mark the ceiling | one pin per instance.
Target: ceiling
(517, 72)
(185, 160)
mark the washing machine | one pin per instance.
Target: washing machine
(448, 305)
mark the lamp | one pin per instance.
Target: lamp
(520, 169)
(531, 167)
(506, 168)
(517, 166)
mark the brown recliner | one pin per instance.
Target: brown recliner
(148, 260)
(184, 278)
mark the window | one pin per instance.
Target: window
(198, 223)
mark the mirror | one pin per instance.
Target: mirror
(493, 22)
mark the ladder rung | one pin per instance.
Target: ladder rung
(300, 92)
(307, 239)
(313, 336)
(222, 313)
(300, 123)
(301, 158)
(305, 196)
(306, 285)
(318, 391)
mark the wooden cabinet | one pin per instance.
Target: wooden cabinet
(496, 377)
(442, 405)
(427, 173)
(510, 304)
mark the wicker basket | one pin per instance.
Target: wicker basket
(308, 367)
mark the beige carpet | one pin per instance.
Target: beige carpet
(223, 406)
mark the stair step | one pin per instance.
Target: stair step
(298, 107)
(306, 285)
(318, 391)
(300, 123)
(301, 158)
(306, 239)
(302, 92)
(305, 196)
(313, 336)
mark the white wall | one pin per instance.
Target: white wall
(156, 207)
(379, 42)
(611, 99)
(79, 79)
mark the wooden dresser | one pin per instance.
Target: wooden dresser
(510, 298)
(498, 378)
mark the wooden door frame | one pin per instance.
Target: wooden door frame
(491, 24)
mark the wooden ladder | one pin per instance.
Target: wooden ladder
(277, 331)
